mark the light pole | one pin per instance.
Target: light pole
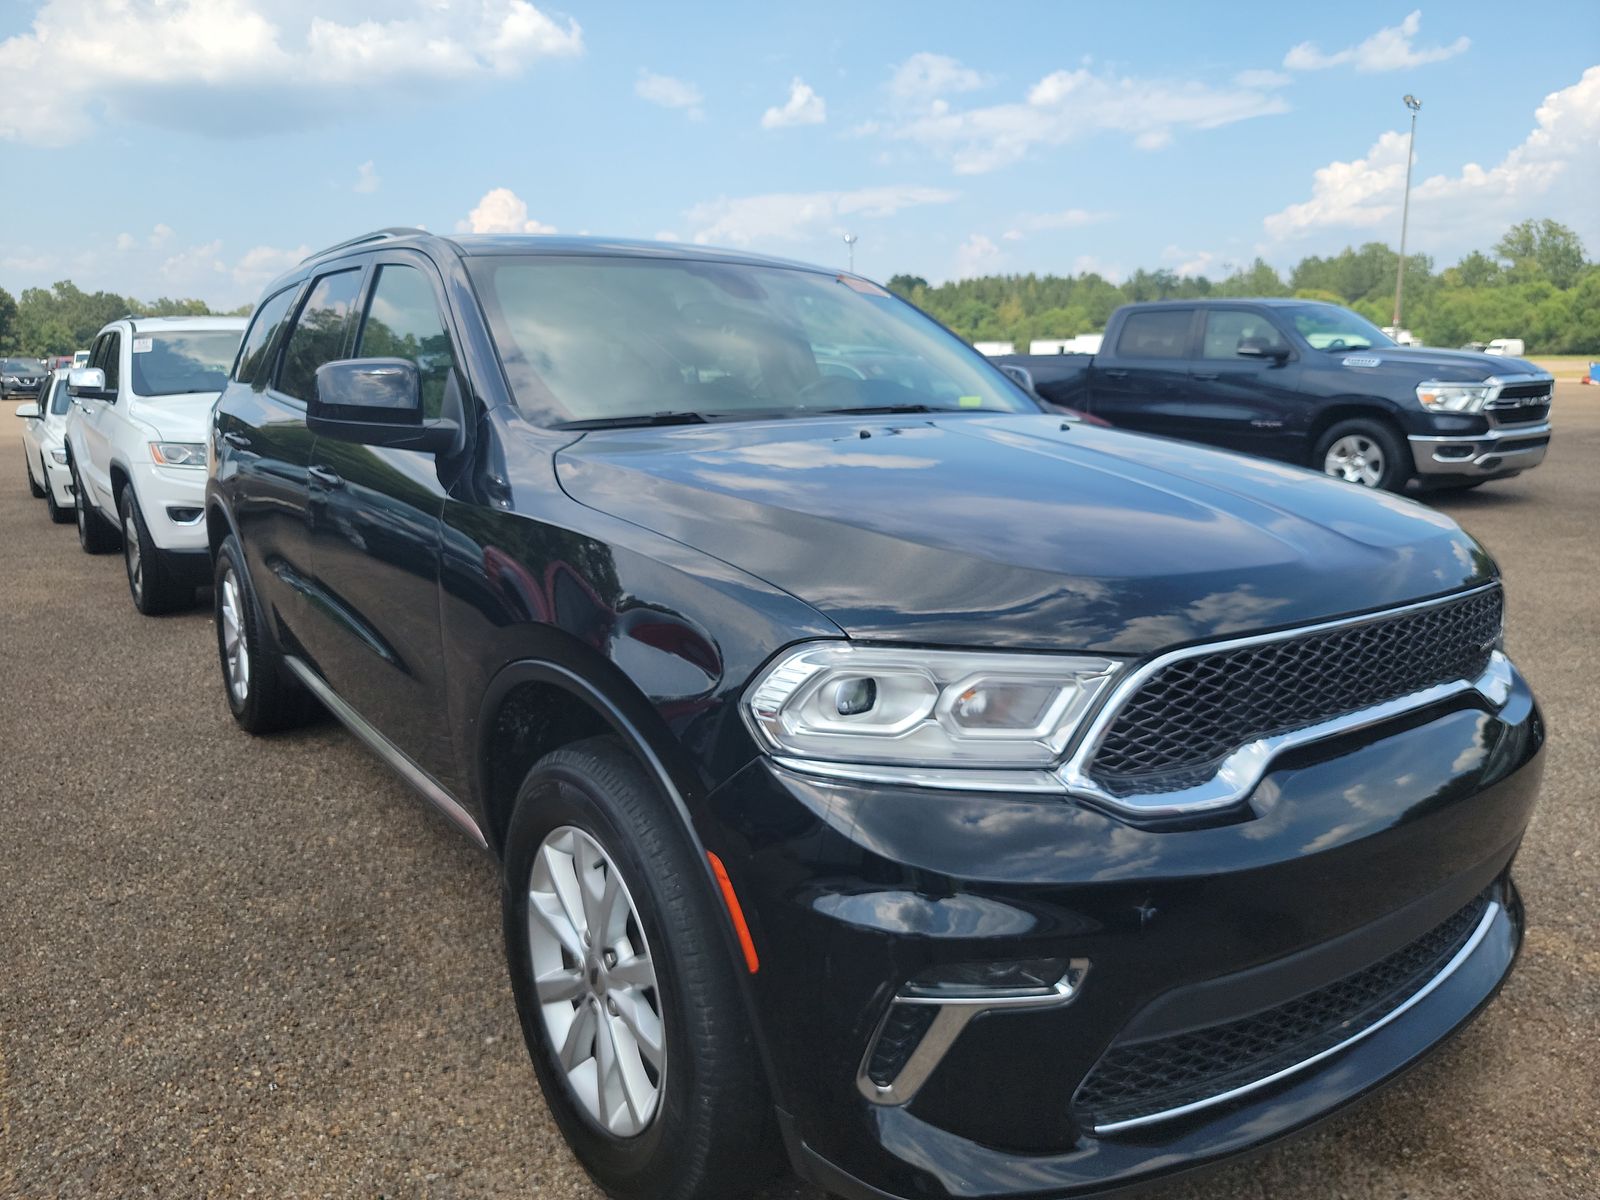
(850, 240)
(1415, 106)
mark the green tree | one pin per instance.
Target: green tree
(8, 323)
(1543, 247)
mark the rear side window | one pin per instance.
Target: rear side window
(318, 334)
(1227, 327)
(261, 337)
(403, 321)
(60, 399)
(1155, 333)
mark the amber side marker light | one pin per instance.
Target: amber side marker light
(752, 961)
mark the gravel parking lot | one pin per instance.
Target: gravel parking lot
(239, 967)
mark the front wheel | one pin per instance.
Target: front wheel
(262, 695)
(94, 534)
(59, 513)
(624, 986)
(150, 579)
(1365, 452)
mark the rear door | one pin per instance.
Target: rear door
(376, 530)
(1140, 382)
(96, 419)
(1240, 402)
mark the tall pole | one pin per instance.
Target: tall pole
(1415, 106)
(850, 240)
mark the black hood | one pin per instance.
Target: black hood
(1453, 366)
(1013, 531)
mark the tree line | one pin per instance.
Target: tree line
(1535, 284)
(64, 318)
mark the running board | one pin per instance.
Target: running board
(426, 784)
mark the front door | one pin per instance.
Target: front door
(376, 532)
(96, 416)
(1245, 403)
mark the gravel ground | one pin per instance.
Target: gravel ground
(241, 967)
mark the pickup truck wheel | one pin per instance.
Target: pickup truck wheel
(150, 582)
(94, 534)
(626, 993)
(262, 695)
(1366, 452)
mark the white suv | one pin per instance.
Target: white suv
(136, 448)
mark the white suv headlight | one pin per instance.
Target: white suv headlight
(178, 454)
(1453, 397)
(843, 703)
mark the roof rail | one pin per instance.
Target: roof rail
(377, 235)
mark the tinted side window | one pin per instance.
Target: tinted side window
(1227, 327)
(318, 334)
(1156, 333)
(403, 321)
(261, 337)
(60, 399)
(109, 359)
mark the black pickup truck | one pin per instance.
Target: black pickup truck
(1307, 383)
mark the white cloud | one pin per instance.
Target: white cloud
(261, 264)
(367, 179)
(925, 77)
(1390, 49)
(1261, 79)
(220, 66)
(1554, 172)
(1066, 218)
(803, 107)
(195, 266)
(795, 216)
(1089, 264)
(501, 211)
(1066, 105)
(670, 93)
(160, 235)
(978, 255)
(126, 242)
(1188, 262)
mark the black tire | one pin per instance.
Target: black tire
(34, 490)
(151, 582)
(709, 1135)
(94, 534)
(1393, 468)
(59, 514)
(271, 698)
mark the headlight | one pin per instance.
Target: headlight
(1453, 397)
(838, 703)
(11, 379)
(178, 454)
(60, 455)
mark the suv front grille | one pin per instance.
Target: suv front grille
(1176, 728)
(1151, 1078)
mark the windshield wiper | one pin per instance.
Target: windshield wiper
(871, 409)
(637, 420)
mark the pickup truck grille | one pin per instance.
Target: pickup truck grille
(1177, 727)
(1521, 403)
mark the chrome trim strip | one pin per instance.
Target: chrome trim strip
(955, 1012)
(431, 789)
(1449, 969)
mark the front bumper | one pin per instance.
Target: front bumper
(173, 501)
(20, 391)
(58, 478)
(1499, 451)
(1344, 853)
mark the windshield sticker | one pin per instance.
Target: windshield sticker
(143, 345)
(970, 401)
(1362, 360)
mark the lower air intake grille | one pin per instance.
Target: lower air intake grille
(1140, 1079)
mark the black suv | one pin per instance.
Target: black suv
(968, 801)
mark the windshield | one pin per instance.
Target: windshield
(18, 366)
(1329, 328)
(619, 339)
(176, 363)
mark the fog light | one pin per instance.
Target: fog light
(903, 1030)
(977, 979)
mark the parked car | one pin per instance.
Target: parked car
(44, 447)
(965, 801)
(136, 448)
(19, 378)
(80, 358)
(1506, 347)
(1308, 383)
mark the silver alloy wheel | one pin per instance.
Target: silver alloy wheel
(130, 552)
(596, 982)
(235, 644)
(1355, 458)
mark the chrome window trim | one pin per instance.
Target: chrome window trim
(1472, 943)
(1234, 779)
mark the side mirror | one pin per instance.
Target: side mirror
(28, 412)
(1020, 376)
(1260, 347)
(88, 383)
(376, 402)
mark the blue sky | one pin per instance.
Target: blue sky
(195, 147)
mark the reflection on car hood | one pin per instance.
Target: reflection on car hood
(1466, 366)
(185, 418)
(1014, 531)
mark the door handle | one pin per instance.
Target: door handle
(1115, 374)
(1203, 375)
(234, 438)
(327, 478)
